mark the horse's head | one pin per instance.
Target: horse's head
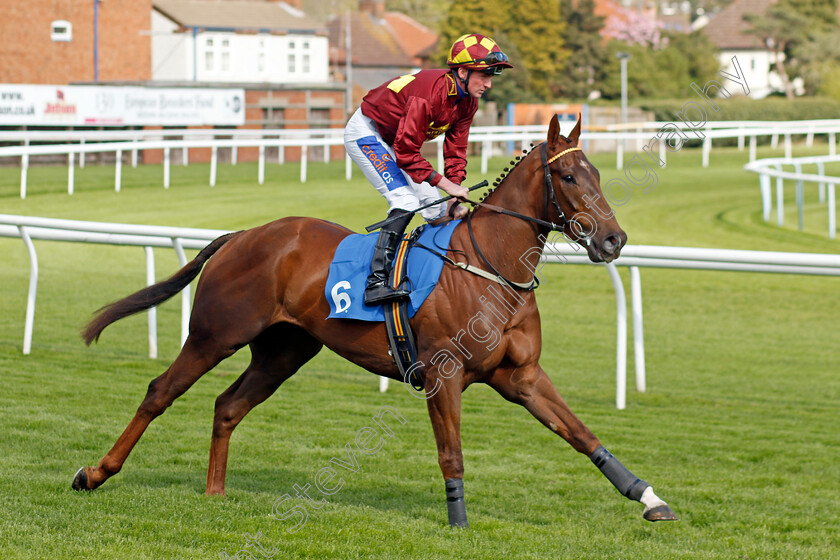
(576, 184)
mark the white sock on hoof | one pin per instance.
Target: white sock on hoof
(651, 500)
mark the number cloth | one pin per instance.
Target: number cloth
(349, 269)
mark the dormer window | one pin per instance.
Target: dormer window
(61, 30)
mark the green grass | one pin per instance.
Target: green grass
(738, 430)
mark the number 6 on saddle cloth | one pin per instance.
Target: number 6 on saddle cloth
(418, 269)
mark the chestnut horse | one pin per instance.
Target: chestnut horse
(264, 287)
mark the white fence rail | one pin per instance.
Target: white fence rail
(633, 257)
(645, 136)
(770, 168)
(29, 228)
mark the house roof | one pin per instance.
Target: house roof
(413, 37)
(371, 41)
(728, 29)
(249, 15)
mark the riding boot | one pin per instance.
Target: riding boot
(378, 288)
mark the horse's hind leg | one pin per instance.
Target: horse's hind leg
(276, 355)
(197, 357)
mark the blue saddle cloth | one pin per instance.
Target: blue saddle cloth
(350, 267)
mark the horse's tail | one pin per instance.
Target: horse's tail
(151, 295)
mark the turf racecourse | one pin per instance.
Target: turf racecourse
(738, 430)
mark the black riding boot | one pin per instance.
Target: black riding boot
(378, 288)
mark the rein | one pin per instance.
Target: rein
(550, 197)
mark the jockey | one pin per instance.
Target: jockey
(385, 134)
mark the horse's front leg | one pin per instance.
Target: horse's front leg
(443, 398)
(530, 386)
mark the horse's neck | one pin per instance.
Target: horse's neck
(511, 244)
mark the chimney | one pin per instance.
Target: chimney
(375, 8)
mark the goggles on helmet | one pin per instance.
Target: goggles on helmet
(492, 59)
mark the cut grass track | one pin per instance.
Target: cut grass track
(738, 430)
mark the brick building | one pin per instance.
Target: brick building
(52, 41)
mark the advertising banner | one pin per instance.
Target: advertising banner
(44, 105)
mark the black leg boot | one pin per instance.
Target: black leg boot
(378, 288)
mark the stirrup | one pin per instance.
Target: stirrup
(382, 292)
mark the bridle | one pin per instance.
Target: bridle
(550, 198)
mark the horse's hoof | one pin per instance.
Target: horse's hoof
(660, 513)
(80, 481)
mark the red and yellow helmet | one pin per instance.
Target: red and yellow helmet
(477, 52)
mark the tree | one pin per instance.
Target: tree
(529, 31)
(665, 73)
(795, 30)
(428, 12)
(584, 70)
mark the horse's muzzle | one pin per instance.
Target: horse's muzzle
(608, 247)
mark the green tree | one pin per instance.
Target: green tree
(584, 71)
(428, 12)
(666, 73)
(803, 36)
(529, 31)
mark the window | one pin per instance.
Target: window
(209, 62)
(305, 64)
(225, 61)
(61, 30)
(292, 68)
(261, 56)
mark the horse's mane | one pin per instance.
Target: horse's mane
(507, 170)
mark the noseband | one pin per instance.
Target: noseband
(550, 198)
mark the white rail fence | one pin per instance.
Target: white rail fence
(633, 257)
(30, 228)
(771, 168)
(645, 135)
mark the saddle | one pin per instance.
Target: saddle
(417, 265)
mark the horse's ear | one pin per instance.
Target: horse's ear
(553, 130)
(575, 134)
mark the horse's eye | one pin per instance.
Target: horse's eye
(569, 178)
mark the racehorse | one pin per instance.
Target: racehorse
(264, 288)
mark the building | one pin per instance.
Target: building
(237, 41)
(383, 45)
(49, 42)
(728, 31)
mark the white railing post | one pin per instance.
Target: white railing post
(440, 157)
(619, 155)
(485, 155)
(752, 148)
(185, 293)
(766, 195)
(383, 384)
(707, 148)
(118, 171)
(832, 144)
(71, 170)
(788, 146)
(304, 157)
(348, 167)
(800, 196)
(166, 167)
(185, 156)
(33, 290)
(152, 318)
(261, 166)
(234, 154)
(638, 327)
(621, 338)
(24, 169)
(780, 199)
(214, 157)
